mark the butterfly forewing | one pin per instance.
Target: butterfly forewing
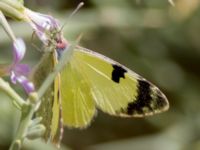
(116, 89)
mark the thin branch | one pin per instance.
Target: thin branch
(6, 26)
(11, 11)
(15, 4)
(16, 99)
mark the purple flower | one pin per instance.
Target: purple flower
(42, 24)
(18, 72)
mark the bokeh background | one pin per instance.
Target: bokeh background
(153, 38)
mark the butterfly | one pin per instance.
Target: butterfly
(90, 81)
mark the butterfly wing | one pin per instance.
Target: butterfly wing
(49, 108)
(91, 78)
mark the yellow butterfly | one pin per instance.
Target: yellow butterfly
(89, 81)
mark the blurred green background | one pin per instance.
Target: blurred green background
(151, 37)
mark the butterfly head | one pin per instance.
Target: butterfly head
(57, 40)
(61, 44)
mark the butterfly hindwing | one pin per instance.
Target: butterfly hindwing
(57, 121)
(49, 108)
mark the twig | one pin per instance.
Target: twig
(16, 99)
(6, 26)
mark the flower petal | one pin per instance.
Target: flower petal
(22, 69)
(27, 85)
(41, 23)
(42, 20)
(42, 36)
(19, 50)
(13, 77)
(17, 71)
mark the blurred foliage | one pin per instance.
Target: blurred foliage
(155, 39)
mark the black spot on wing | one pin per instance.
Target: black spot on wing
(117, 73)
(161, 101)
(143, 99)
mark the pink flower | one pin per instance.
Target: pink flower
(42, 24)
(18, 72)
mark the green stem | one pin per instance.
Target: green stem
(27, 113)
(11, 11)
(6, 26)
(15, 4)
(16, 99)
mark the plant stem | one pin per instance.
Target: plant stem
(16, 99)
(27, 113)
(6, 26)
(15, 4)
(11, 11)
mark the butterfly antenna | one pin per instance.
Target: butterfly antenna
(72, 14)
(78, 39)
